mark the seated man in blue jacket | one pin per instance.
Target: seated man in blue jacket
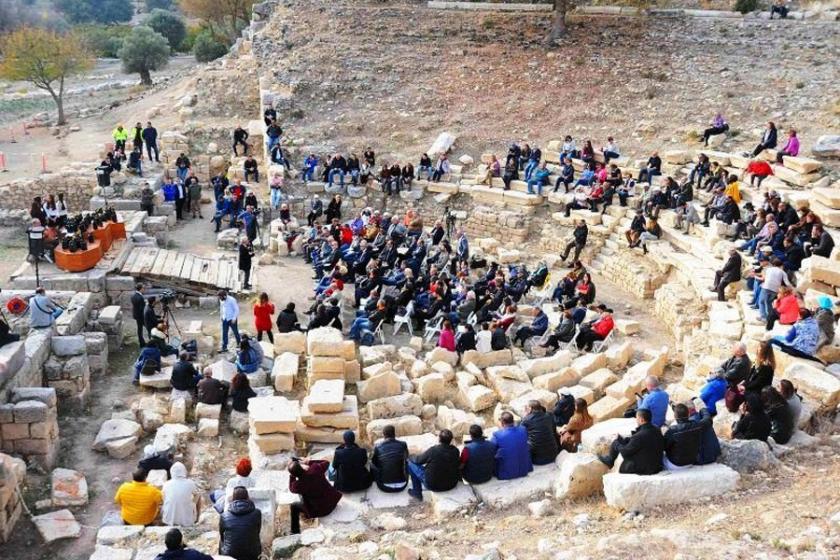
(537, 328)
(177, 550)
(478, 457)
(148, 363)
(513, 456)
(224, 206)
(655, 400)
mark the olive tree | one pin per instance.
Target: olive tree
(144, 50)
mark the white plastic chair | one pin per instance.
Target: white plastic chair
(433, 328)
(544, 293)
(378, 332)
(572, 343)
(600, 345)
(472, 319)
(400, 320)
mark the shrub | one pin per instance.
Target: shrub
(169, 25)
(207, 47)
(103, 40)
(100, 11)
(159, 5)
(746, 6)
(189, 41)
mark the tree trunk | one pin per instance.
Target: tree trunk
(145, 77)
(59, 104)
(558, 27)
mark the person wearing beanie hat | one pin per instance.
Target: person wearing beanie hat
(349, 469)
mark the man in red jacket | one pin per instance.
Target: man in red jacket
(596, 330)
(318, 497)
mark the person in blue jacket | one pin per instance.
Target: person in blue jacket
(177, 550)
(656, 401)
(513, 456)
(224, 206)
(149, 352)
(247, 359)
(712, 392)
(537, 328)
(478, 457)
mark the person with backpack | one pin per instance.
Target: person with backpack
(148, 362)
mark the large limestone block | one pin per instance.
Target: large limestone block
(829, 197)
(325, 341)
(677, 157)
(539, 366)
(386, 384)
(478, 397)
(598, 438)
(456, 420)
(376, 369)
(746, 456)
(57, 525)
(514, 373)
(619, 354)
(208, 411)
(171, 437)
(284, 371)
(431, 388)
(794, 177)
(802, 165)
(815, 383)
(404, 404)
(580, 475)
(12, 356)
(325, 367)
(273, 443)
(599, 379)
(633, 492)
(115, 430)
(442, 355)
(578, 392)
(499, 494)
(370, 355)
(347, 418)
(69, 488)
(455, 501)
(553, 381)
(403, 425)
(487, 359)
(294, 342)
(589, 362)
(312, 434)
(119, 535)
(547, 398)
(609, 407)
(208, 427)
(268, 415)
(325, 395)
(824, 270)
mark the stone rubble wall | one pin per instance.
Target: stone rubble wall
(12, 477)
(633, 275)
(77, 182)
(67, 371)
(29, 425)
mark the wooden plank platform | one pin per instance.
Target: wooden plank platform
(178, 270)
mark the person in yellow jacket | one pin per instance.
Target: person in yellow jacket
(139, 501)
(120, 135)
(733, 189)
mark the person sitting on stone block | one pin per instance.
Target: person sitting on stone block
(542, 435)
(641, 452)
(139, 501)
(247, 359)
(513, 456)
(478, 457)
(148, 362)
(212, 391)
(388, 464)
(754, 423)
(239, 527)
(184, 375)
(684, 439)
(437, 469)
(318, 498)
(177, 550)
(348, 470)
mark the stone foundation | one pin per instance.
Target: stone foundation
(29, 425)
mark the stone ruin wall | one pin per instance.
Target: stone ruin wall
(77, 182)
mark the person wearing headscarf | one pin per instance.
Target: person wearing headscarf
(824, 315)
(242, 478)
(178, 498)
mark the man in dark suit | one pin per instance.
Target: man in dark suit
(150, 318)
(642, 451)
(180, 200)
(731, 272)
(138, 307)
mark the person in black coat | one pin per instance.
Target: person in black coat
(768, 140)
(778, 410)
(761, 373)
(246, 254)
(388, 463)
(184, 375)
(542, 435)
(642, 451)
(138, 308)
(150, 139)
(498, 340)
(466, 340)
(754, 423)
(287, 320)
(177, 550)
(150, 318)
(349, 466)
(731, 272)
(580, 233)
(438, 468)
(239, 528)
(685, 437)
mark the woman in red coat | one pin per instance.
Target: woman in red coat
(263, 310)
(318, 498)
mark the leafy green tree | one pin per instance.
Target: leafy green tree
(207, 47)
(159, 5)
(143, 51)
(101, 11)
(45, 59)
(169, 25)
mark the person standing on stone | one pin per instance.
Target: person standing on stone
(389, 462)
(478, 457)
(513, 457)
(239, 528)
(138, 500)
(263, 310)
(642, 451)
(194, 195)
(438, 469)
(240, 138)
(120, 135)
(147, 199)
(251, 169)
(318, 498)
(177, 550)
(349, 466)
(149, 136)
(246, 255)
(138, 307)
(178, 498)
(580, 233)
(229, 315)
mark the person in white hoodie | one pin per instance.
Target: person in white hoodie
(482, 339)
(179, 498)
